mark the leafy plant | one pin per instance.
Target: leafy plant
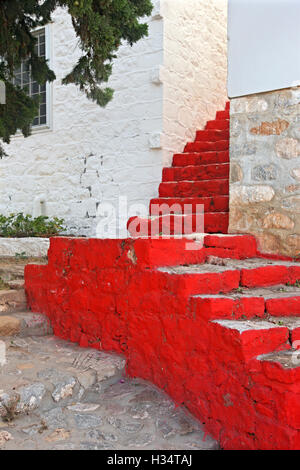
(21, 256)
(20, 225)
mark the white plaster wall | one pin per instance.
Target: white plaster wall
(92, 155)
(195, 68)
(166, 87)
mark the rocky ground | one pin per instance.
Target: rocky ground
(55, 395)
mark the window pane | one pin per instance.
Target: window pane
(34, 88)
(43, 109)
(42, 50)
(23, 79)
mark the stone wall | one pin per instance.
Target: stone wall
(265, 169)
(195, 68)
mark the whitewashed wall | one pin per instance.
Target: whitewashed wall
(166, 87)
(91, 155)
(195, 68)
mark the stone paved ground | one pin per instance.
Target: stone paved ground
(55, 395)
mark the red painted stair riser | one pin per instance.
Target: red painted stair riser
(104, 294)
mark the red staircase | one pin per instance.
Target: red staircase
(217, 328)
(197, 182)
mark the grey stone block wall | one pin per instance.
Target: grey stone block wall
(265, 169)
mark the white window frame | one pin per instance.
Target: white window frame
(48, 127)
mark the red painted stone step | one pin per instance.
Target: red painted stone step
(178, 224)
(223, 115)
(195, 189)
(250, 338)
(220, 145)
(279, 307)
(194, 159)
(231, 246)
(195, 173)
(212, 135)
(216, 222)
(218, 124)
(261, 272)
(247, 303)
(181, 205)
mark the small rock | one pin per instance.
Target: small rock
(32, 430)
(55, 418)
(288, 148)
(8, 405)
(142, 440)
(251, 194)
(30, 397)
(87, 379)
(58, 435)
(264, 173)
(295, 172)
(85, 421)
(278, 220)
(165, 428)
(4, 437)
(125, 425)
(64, 389)
(99, 435)
(83, 407)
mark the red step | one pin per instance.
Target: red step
(216, 222)
(195, 188)
(221, 115)
(218, 124)
(195, 159)
(177, 205)
(195, 173)
(178, 224)
(212, 135)
(207, 146)
(250, 338)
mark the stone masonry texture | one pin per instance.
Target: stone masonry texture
(265, 169)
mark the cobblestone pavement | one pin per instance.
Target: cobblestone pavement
(55, 395)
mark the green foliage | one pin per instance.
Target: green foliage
(20, 225)
(100, 25)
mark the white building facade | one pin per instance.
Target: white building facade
(81, 158)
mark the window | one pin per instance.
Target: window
(24, 79)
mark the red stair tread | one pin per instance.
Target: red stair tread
(194, 159)
(218, 124)
(222, 115)
(211, 204)
(178, 224)
(195, 173)
(212, 135)
(195, 189)
(219, 145)
(254, 337)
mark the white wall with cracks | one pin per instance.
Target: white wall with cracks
(166, 86)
